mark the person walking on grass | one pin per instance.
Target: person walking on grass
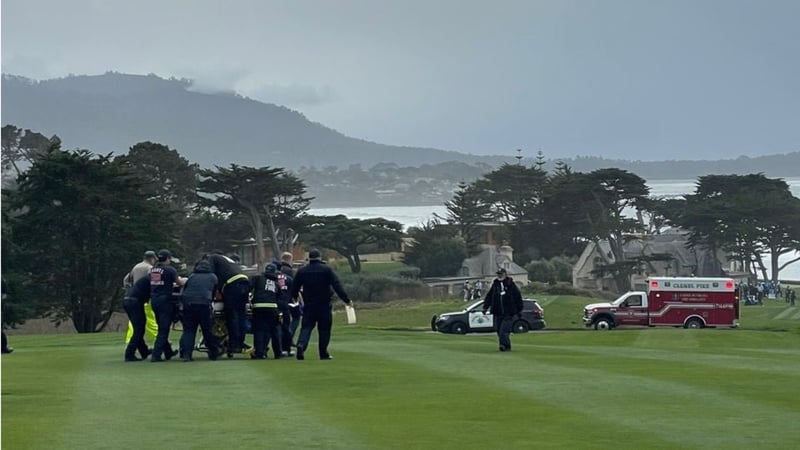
(316, 280)
(135, 299)
(235, 288)
(163, 278)
(198, 292)
(266, 325)
(504, 300)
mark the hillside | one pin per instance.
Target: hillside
(113, 111)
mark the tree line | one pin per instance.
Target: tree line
(556, 213)
(74, 222)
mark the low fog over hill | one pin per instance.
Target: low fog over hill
(113, 111)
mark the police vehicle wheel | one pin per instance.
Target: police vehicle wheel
(603, 324)
(229, 355)
(693, 323)
(459, 328)
(521, 326)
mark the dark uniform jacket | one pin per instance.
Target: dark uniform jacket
(162, 282)
(265, 290)
(224, 268)
(316, 279)
(199, 287)
(140, 291)
(503, 298)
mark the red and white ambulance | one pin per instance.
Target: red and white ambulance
(670, 301)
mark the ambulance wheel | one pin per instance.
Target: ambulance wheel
(458, 328)
(229, 355)
(521, 326)
(603, 324)
(694, 323)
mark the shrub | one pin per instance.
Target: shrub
(556, 269)
(562, 268)
(541, 270)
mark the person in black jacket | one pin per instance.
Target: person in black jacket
(163, 279)
(316, 280)
(198, 293)
(135, 298)
(505, 302)
(265, 313)
(235, 289)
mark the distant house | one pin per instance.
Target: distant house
(485, 264)
(481, 267)
(685, 261)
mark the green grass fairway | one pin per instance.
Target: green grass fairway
(643, 388)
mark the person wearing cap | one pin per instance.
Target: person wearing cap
(198, 292)
(265, 313)
(504, 300)
(134, 304)
(235, 288)
(316, 280)
(139, 271)
(163, 278)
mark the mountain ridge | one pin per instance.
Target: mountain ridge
(126, 109)
(113, 111)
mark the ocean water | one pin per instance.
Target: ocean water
(411, 216)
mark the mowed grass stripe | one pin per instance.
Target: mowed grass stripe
(32, 393)
(204, 404)
(687, 415)
(786, 313)
(754, 364)
(401, 403)
(710, 373)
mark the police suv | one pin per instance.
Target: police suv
(473, 320)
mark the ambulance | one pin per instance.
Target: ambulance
(671, 302)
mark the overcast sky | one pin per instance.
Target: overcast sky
(636, 79)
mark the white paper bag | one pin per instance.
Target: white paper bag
(351, 314)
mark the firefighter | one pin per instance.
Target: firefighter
(266, 324)
(505, 302)
(235, 288)
(163, 278)
(135, 299)
(284, 287)
(316, 280)
(198, 292)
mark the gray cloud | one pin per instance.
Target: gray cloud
(292, 95)
(619, 78)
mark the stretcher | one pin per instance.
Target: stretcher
(220, 330)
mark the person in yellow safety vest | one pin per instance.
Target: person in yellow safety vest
(141, 270)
